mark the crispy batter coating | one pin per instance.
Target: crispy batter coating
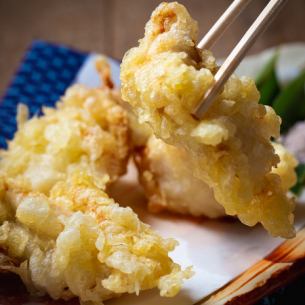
(165, 77)
(87, 130)
(77, 241)
(59, 230)
(286, 167)
(166, 174)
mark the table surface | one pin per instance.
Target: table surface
(113, 26)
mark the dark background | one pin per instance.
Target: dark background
(113, 26)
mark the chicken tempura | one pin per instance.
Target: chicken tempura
(165, 77)
(166, 174)
(59, 230)
(87, 130)
(77, 242)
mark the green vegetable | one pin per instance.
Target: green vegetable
(290, 103)
(267, 82)
(300, 171)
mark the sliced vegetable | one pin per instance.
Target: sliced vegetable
(267, 82)
(300, 170)
(290, 103)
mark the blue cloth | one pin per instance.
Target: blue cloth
(44, 74)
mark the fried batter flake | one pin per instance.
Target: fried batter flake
(165, 77)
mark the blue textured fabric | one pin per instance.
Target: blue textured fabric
(46, 71)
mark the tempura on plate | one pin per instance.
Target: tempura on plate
(59, 230)
(88, 130)
(77, 241)
(165, 77)
(166, 174)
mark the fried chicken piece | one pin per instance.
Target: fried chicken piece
(77, 241)
(59, 231)
(166, 174)
(87, 130)
(165, 77)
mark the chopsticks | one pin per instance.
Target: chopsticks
(284, 264)
(238, 53)
(222, 23)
